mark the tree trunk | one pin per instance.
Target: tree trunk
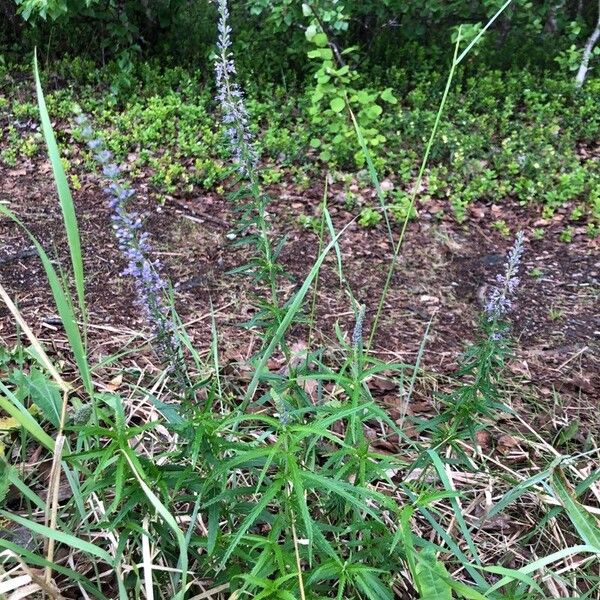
(551, 26)
(587, 53)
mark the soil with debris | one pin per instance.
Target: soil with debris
(442, 276)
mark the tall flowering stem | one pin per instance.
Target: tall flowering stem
(499, 301)
(230, 98)
(134, 243)
(481, 368)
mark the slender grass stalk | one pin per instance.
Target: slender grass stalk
(10, 404)
(413, 196)
(52, 501)
(372, 171)
(456, 60)
(290, 313)
(214, 347)
(313, 306)
(63, 305)
(168, 519)
(61, 537)
(476, 39)
(40, 352)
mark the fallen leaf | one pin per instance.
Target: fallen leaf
(115, 383)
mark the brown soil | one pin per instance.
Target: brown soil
(442, 274)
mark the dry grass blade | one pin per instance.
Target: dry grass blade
(34, 341)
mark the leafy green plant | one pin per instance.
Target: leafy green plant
(336, 87)
(369, 217)
(280, 483)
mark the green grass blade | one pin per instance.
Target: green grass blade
(583, 521)
(414, 194)
(251, 518)
(167, 518)
(293, 308)
(338, 252)
(545, 561)
(214, 348)
(11, 405)
(64, 194)
(372, 171)
(63, 305)
(371, 586)
(516, 576)
(441, 471)
(61, 537)
(26, 491)
(476, 39)
(33, 559)
(452, 545)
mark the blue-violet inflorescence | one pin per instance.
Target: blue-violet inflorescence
(499, 301)
(231, 99)
(135, 246)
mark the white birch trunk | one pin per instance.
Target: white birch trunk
(587, 53)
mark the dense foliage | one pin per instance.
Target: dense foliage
(510, 132)
(160, 471)
(529, 30)
(506, 134)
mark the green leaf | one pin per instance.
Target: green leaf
(251, 518)
(350, 493)
(310, 32)
(315, 142)
(337, 104)
(5, 472)
(363, 97)
(388, 96)
(374, 111)
(465, 591)
(15, 409)
(64, 194)
(371, 586)
(45, 395)
(431, 577)
(298, 490)
(458, 515)
(584, 522)
(60, 536)
(325, 156)
(320, 39)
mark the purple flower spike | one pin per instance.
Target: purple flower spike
(111, 171)
(499, 302)
(231, 99)
(135, 246)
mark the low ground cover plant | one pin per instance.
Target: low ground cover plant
(506, 134)
(189, 482)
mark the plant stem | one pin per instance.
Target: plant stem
(415, 191)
